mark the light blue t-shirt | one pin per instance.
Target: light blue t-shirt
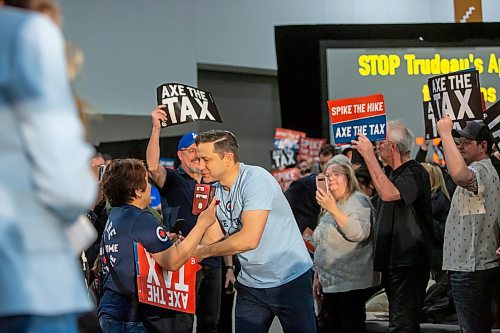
(281, 255)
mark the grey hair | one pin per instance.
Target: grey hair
(352, 181)
(401, 135)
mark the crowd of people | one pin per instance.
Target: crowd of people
(383, 220)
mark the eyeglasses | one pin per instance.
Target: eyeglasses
(189, 151)
(383, 143)
(333, 175)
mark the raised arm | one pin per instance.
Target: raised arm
(457, 168)
(157, 173)
(385, 188)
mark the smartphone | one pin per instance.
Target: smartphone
(322, 182)
(102, 170)
(203, 195)
(177, 228)
(230, 288)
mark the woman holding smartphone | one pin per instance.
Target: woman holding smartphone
(344, 252)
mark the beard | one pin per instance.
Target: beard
(194, 166)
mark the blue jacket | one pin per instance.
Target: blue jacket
(45, 177)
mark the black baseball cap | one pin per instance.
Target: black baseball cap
(473, 130)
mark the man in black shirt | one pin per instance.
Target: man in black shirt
(403, 228)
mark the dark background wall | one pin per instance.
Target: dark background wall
(301, 76)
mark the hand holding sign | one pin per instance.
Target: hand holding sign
(444, 126)
(363, 146)
(457, 95)
(166, 289)
(184, 104)
(158, 116)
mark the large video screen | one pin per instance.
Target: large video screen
(400, 73)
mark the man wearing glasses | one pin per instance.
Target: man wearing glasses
(403, 227)
(177, 193)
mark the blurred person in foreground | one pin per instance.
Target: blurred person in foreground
(42, 191)
(472, 226)
(403, 228)
(344, 252)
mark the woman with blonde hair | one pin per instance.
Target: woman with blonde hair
(441, 201)
(344, 274)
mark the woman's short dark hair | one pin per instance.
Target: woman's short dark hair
(224, 142)
(122, 178)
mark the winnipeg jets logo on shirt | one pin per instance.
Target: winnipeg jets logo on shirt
(161, 234)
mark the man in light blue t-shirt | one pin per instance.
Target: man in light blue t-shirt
(275, 277)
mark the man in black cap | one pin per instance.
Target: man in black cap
(472, 226)
(177, 193)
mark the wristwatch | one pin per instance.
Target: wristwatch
(230, 267)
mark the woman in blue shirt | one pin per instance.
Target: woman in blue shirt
(126, 187)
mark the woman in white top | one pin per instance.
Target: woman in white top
(344, 252)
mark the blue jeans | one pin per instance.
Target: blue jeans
(39, 324)
(473, 293)
(292, 303)
(109, 325)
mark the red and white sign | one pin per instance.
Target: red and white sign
(307, 236)
(162, 288)
(351, 116)
(287, 138)
(286, 176)
(309, 148)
